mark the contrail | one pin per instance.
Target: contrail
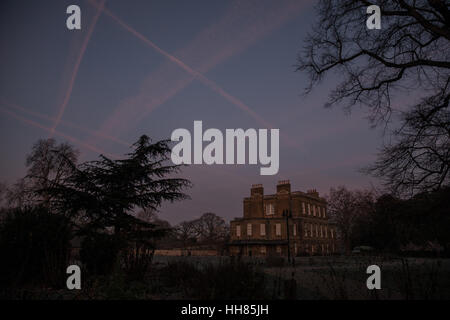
(65, 136)
(68, 93)
(66, 123)
(209, 83)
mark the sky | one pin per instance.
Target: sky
(150, 67)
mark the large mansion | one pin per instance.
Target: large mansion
(263, 229)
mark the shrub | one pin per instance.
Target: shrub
(226, 280)
(99, 253)
(136, 260)
(35, 248)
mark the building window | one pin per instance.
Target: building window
(314, 210)
(317, 231)
(306, 231)
(263, 250)
(332, 234)
(303, 208)
(249, 229)
(278, 229)
(263, 229)
(311, 229)
(326, 232)
(323, 212)
(238, 231)
(279, 249)
(270, 209)
(295, 248)
(321, 232)
(309, 209)
(295, 230)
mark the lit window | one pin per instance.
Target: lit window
(263, 229)
(238, 231)
(278, 229)
(270, 209)
(249, 229)
(263, 250)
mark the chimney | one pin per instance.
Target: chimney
(284, 185)
(257, 190)
(313, 192)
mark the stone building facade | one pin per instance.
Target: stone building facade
(263, 229)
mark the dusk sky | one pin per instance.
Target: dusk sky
(133, 69)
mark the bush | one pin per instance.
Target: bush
(35, 248)
(226, 280)
(99, 253)
(136, 260)
(273, 261)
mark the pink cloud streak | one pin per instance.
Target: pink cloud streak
(68, 93)
(241, 27)
(65, 136)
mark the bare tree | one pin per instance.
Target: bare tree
(185, 232)
(210, 228)
(345, 207)
(409, 55)
(48, 165)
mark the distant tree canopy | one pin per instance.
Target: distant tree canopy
(409, 56)
(345, 207)
(208, 229)
(391, 224)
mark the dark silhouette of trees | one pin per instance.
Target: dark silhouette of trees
(209, 229)
(347, 208)
(186, 233)
(35, 247)
(106, 192)
(48, 164)
(410, 55)
(415, 226)
(100, 197)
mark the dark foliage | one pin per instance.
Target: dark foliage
(101, 196)
(226, 280)
(35, 248)
(106, 191)
(99, 253)
(397, 223)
